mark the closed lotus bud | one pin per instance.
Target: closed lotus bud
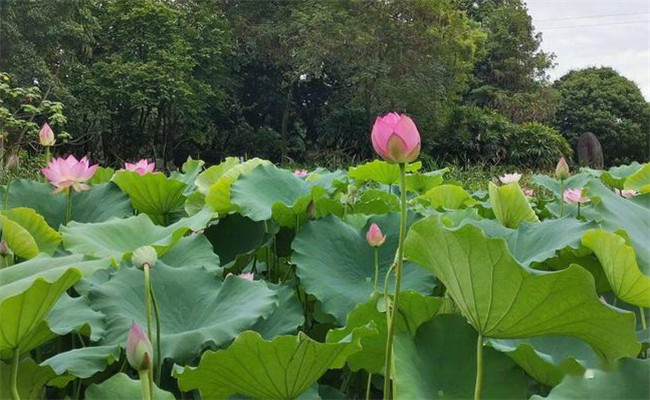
(46, 136)
(4, 248)
(139, 351)
(311, 209)
(562, 169)
(374, 236)
(13, 162)
(396, 138)
(144, 255)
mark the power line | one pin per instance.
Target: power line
(591, 25)
(591, 16)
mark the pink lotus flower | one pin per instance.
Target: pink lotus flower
(510, 178)
(528, 192)
(300, 173)
(139, 351)
(396, 138)
(141, 167)
(69, 172)
(627, 193)
(374, 236)
(46, 136)
(562, 169)
(575, 196)
(248, 276)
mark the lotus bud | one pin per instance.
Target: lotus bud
(4, 248)
(562, 169)
(46, 136)
(374, 236)
(139, 351)
(144, 255)
(13, 162)
(396, 138)
(311, 209)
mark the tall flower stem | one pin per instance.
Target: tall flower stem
(145, 384)
(479, 367)
(368, 386)
(398, 281)
(578, 210)
(376, 268)
(561, 197)
(14, 375)
(643, 323)
(147, 296)
(158, 343)
(48, 155)
(68, 209)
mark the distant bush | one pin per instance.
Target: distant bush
(536, 145)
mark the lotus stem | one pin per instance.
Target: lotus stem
(398, 280)
(479, 367)
(14, 374)
(561, 197)
(48, 155)
(147, 296)
(368, 386)
(158, 343)
(376, 268)
(145, 384)
(68, 210)
(643, 323)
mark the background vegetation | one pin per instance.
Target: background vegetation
(300, 81)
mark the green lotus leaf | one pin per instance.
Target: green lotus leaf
(197, 310)
(439, 362)
(423, 182)
(27, 233)
(503, 299)
(448, 197)
(630, 381)
(380, 171)
(121, 387)
(236, 235)
(375, 201)
(194, 203)
(620, 266)
(335, 263)
(616, 176)
(286, 318)
(536, 242)
(510, 205)
(28, 291)
(211, 175)
(100, 203)
(102, 175)
(575, 181)
(640, 180)
(279, 369)
(192, 251)
(153, 194)
(218, 194)
(84, 362)
(414, 309)
(31, 380)
(582, 257)
(191, 170)
(73, 314)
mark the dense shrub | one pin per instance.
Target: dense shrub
(536, 145)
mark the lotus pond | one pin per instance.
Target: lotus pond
(246, 280)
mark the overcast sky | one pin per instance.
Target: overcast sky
(585, 33)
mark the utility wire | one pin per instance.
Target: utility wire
(591, 16)
(591, 25)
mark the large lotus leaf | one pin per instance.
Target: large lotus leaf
(316, 201)
(73, 314)
(414, 309)
(381, 171)
(423, 182)
(620, 266)
(192, 251)
(375, 201)
(197, 310)
(153, 194)
(615, 176)
(31, 380)
(121, 387)
(582, 257)
(327, 179)
(27, 233)
(286, 318)
(620, 213)
(575, 181)
(236, 235)
(640, 180)
(440, 363)
(118, 238)
(630, 381)
(335, 263)
(29, 291)
(510, 205)
(503, 299)
(448, 197)
(218, 195)
(98, 204)
(102, 175)
(84, 362)
(211, 175)
(549, 358)
(536, 242)
(279, 369)
(191, 170)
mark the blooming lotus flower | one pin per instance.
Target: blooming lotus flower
(528, 192)
(46, 136)
(374, 236)
(575, 196)
(300, 173)
(627, 193)
(139, 351)
(562, 169)
(141, 167)
(69, 173)
(510, 178)
(396, 138)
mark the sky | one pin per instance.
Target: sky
(584, 33)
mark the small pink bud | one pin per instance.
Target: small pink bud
(562, 169)
(139, 351)
(575, 196)
(374, 236)
(300, 173)
(510, 178)
(46, 136)
(4, 248)
(528, 192)
(396, 138)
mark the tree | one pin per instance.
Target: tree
(601, 101)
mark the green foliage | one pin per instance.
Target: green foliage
(534, 145)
